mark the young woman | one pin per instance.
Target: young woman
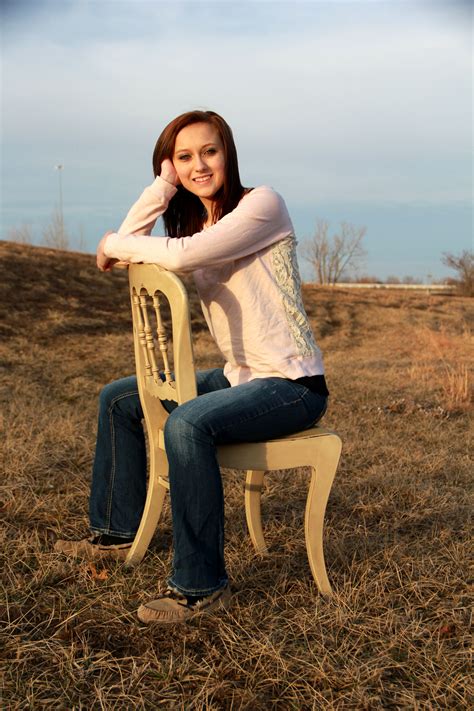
(240, 246)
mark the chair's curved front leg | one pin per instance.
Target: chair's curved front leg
(253, 488)
(324, 466)
(156, 494)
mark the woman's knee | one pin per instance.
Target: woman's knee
(175, 428)
(180, 430)
(121, 394)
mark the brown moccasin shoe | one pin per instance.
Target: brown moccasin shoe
(88, 550)
(172, 607)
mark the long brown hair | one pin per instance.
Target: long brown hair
(185, 212)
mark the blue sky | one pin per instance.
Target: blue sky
(356, 111)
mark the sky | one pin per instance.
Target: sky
(356, 111)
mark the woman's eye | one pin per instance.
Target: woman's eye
(211, 151)
(184, 156)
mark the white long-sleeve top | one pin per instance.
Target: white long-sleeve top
(247, 277)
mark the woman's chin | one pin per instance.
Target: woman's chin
(207, 188)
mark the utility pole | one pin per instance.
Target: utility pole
(59, 168)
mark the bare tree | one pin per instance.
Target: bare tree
(54, 234)
(331, 256)
(21, 234)
(464, 266)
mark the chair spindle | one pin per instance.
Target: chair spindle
(137, 301)
(150, 344)
(162, 338)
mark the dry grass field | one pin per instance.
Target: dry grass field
(396, 633)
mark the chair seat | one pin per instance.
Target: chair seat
(296, 450)
(305, 434)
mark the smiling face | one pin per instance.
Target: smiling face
(199, 161)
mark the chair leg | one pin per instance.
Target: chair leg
(253, 488)
(153, 506)
(324, 469)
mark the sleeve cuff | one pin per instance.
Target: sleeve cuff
(110, 245)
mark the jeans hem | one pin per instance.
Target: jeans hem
(110, 532)
(223, 582)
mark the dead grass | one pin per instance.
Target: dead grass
(443, 360)
(396, 633)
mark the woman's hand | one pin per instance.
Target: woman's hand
(168, 172)
(104, 263)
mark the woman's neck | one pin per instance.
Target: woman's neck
(207, 219)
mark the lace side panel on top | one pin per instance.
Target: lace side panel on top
(287, 276)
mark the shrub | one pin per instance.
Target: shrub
(464, 266)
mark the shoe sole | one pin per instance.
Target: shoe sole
(91, 553)
(149, 616)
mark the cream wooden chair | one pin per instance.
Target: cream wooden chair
(316, 447)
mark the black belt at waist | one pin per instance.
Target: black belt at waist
(315, 383)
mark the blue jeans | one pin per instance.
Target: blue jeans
(261, 409)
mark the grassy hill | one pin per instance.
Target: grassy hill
(395, 634)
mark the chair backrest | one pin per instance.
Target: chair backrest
(154, 353)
